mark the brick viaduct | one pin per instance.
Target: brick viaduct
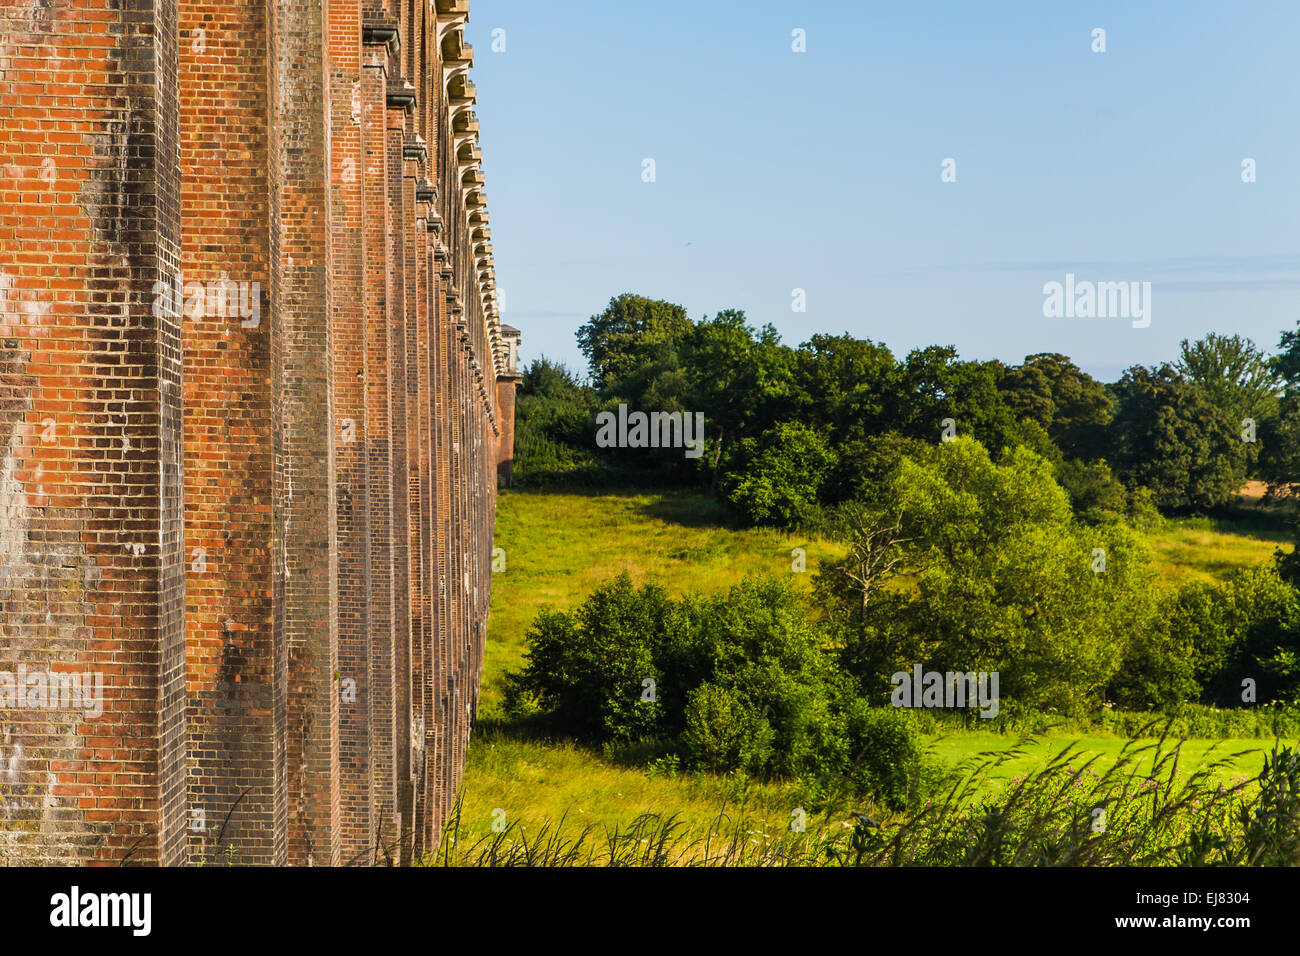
(254, 396)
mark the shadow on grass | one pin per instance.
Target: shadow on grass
(634, 755)
(690, 509)
(1267, 524)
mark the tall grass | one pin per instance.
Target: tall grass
(1146, 809)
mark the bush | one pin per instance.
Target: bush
(587, 671)
(724, 732)
(554, 427)
(884, 751)
(744, 681)
(780, 475)
(1206, 639)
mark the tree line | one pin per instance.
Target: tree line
(793, 430)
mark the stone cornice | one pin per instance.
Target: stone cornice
(466, 202)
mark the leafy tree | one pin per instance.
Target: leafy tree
(781, 474)
(864, 468)
(1286, 364)
(1236, 376)
(934, 385)
(1233, 374)
(847, 385)
(1279, 447)
(1279, 462)
(1205, 639)
(740, 377)
(1266, 610)
(1095, 494)
(554, 426)
(884, 752)
(723, 731)
(632, 334)
(1173, 440)
(765, 649)
(741, 680)
(1004, 579)
(1067, 402)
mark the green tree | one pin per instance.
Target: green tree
(1205, 639)
(633, 334)
(554, 426)
(1233, 374)
(1236, 376)
(779, 477)
(846, 385)
(740, 377)
(1069, 403)
(1279, 462)
(1004, 579)
(1173, 440)
(934, 384)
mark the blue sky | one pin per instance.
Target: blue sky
(820, 171)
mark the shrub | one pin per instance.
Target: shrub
(724, 732)
(780, 474)
(587, 670)
(884, 752)
(1207, 638)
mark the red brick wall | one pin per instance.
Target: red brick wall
(358, 797)
(305, 573)
(267, 523)
(505, 463)
(91, 576)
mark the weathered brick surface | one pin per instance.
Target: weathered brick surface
(236, 707)
(91, 576)
(357, 793)
(254, 397)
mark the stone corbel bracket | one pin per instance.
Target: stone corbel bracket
(462, 94)
(416, 150)
(457, 55)
(464, 129)
(452, 15)
(401, 96)
(380, 30)
(427, 194)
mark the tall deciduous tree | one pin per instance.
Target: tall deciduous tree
(847, 385)
(1006, 580)
(1175, 441)
(1066, 401)
(739, 377)
(1233, 374)
(632, 333)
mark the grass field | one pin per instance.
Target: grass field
(1205, 549)
(558, 547)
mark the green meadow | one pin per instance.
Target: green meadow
(558, 547)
